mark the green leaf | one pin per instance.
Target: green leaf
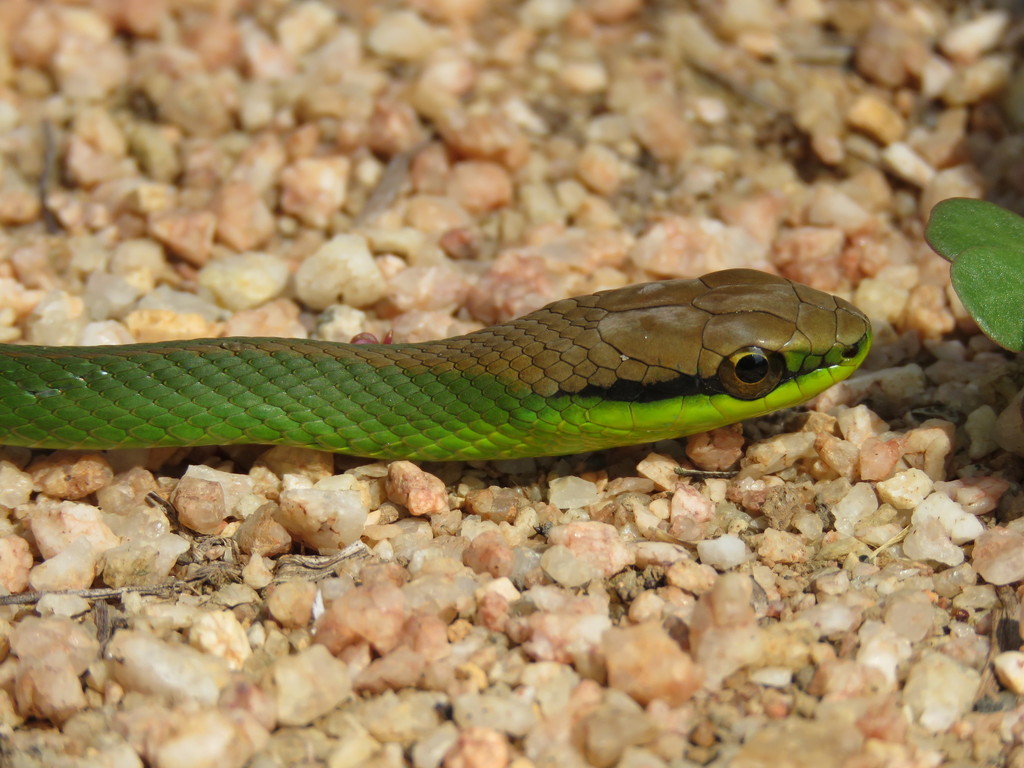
(986, 245)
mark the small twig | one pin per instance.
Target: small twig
(48, 171)
(891, 542)
(390, 184)
(707, 474)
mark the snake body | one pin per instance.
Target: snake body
(648, 362)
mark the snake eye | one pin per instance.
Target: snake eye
(750, 373)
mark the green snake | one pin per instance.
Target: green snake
(630, 365)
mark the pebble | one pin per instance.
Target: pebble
(70, 474)
(313, 189)
(930, 541)
(724, 634)
(402, 35)
(1009, 667)
(309, 684)
(144, 663)
(74, 567)
(628, 650)
(998, 556)
(55, 528)
(291, 603)
(566, 568)
(15, 564)
(906, 489)
(572, 492)
(939, 690)
(244, 280)
(723, 553)
(511, 716)
(342, 269)
(853, 507)
(219, 633)
(961, 526)
(782, 547)
(421, 493)
(326, 520)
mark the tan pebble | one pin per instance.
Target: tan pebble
(220, 633)
(490, 136)
(585, 77)
(455, 11)
(261, 535)
(15, 563)
(928, 311)
(905, 162)
(372, 613)
(50, 691)
(314, 189)
(147, 325)
(304, 26)
(613, 11)
(342, 268)
(188, 233)
(291, 603)
(56, 527)
(673, 680)
(402, 35)
(480, 187)
(326, 519)
(781, 547)
(257, 572)
(70, 475)
(309, 684)
(660, 125)
(489, 553)
(601, 169)
(278, 318)
(244, 221)
(968, 40)
(877, 118)
(421, 493)
(716, 450)
(478, 747)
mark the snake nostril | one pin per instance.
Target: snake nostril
(850, 351)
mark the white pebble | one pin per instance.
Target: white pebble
(930, 541)
(401, 35)
(1009, 666)
(902, 160)
(244, 280)
(572, 492)
(146, 664)
(855, 506)
(905, 490)
(342, 268)
(961, 525)
(940, 690)
(566, 569)
(966, 42)
(723, 553)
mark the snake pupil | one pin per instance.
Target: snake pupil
(752, 368)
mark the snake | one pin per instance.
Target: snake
(630, 365)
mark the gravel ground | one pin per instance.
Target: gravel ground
(839, 589)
